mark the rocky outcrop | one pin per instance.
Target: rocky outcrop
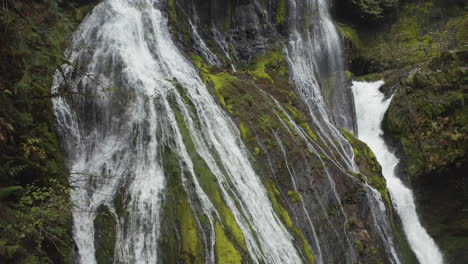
(421, 54)
(428, 120)
(326, 208)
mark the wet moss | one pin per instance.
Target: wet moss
(191, 242)
(208, 182)
(369, 167)
(180, 236)
(274, 195)
(281, 11)
(105, 235)
(267, 75)
(273, 59)
(225, 250)
(294, 196)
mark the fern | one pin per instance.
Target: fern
(5, 192)
(8, 170)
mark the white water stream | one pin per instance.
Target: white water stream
(371, 106)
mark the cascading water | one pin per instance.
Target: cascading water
(317, 61)
(137, 96)
(371, 106)
(317, 68)
(137, 115)
(315, 55)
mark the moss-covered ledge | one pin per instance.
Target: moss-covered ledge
(428, 121)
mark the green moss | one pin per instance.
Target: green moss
(104, 236)
(350, 34)
(225, 250)
(458, 27)
(274, 59)
(245, 133)
(191, 242)
(209, 184)
(359, 246)
(256, 151)
(172, 11)
(281, 11)
(274, 195)
(228, 219)
(369, 167)
(404, 248)
(309, 131)
(180, 236)
(373, 250)
(295, 196)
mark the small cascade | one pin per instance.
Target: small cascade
(316, 58)
(315, 55)
(371, 106)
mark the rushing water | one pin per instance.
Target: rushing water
(315, 55)
(317, 62)
(134, 96)
(133, 85)
(371, 106)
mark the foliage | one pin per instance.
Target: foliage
(40, 225)
(35, 209)
(413, 38)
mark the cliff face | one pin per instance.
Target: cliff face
(428, 120)
(420, 51)
(241, 50)
(238, 48)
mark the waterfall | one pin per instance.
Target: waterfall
(315, 56)
(371, 106)
(136, 104)
(315, 47)
(316, 60)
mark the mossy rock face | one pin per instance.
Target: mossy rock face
(428, 115)
(105, 234)
(427, 120)
(421, 31)
(369, 167)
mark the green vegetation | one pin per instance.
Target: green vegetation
(428, 116)
(412, 38)
(183, 246)
(34, 204)
(295, 196)
(104, 236)
(428, 119)
(369, 167)
(350, 34)
(225, 250)
(281, 11)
